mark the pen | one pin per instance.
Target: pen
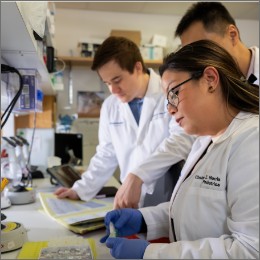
(4, 182)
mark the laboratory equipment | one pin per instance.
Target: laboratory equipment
(13, 235)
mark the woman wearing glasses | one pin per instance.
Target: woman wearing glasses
(214, 209)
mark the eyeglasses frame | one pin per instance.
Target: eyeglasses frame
(195, 75)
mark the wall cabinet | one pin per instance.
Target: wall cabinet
(19, 49)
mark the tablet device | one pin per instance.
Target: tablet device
(65, 175)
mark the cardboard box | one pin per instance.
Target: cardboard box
(134, 36)
(151, 52)
(145, 52)
(157, 53)
(159, 40)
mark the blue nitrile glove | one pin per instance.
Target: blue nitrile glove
(126, 221)
(123, 248)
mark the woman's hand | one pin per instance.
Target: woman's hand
(123, 248)
(126, 222)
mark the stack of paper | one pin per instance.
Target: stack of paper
(78, 216)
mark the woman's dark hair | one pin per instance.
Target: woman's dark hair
(123, 51)
(195, 57)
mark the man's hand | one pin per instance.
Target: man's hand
(128, 195)
(66, 193)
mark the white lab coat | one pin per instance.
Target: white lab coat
(122, 142)
(175, 148)
(254, 65)
(216, 209)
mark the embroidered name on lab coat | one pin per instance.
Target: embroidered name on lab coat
(116, 123)
(159, 115)
(209, 180)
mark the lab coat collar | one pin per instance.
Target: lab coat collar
(150, 99)
(235, 125)
(153, 83)
(202, 141)
(254, 64)
(149, 102)
(200, 145)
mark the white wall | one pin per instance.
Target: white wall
(75, 25)
(72, 26)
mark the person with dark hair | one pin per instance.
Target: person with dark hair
(133, 120)
(212, 21)
(214, 209)
(203, 20)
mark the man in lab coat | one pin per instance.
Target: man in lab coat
(204, 20)
(133, 120)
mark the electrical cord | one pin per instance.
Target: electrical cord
(7, 112)
(7, 69)
(63, 66)
(28, 165)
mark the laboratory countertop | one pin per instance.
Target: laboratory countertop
(40, 227)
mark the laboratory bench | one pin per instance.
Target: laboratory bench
(41, 227)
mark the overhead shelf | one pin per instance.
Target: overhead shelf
(19, 48)
(87, 61)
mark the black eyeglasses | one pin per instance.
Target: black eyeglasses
(172, 95)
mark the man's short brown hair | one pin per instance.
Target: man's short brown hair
(122, 50)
